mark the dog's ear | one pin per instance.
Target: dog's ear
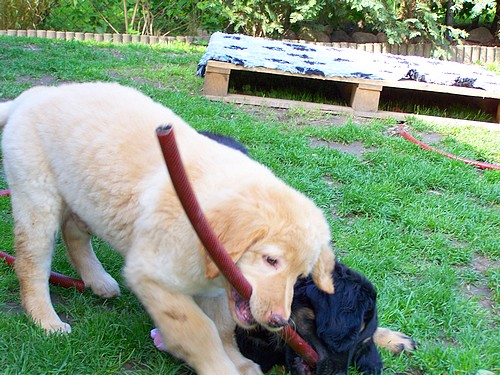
(236, 230)
(323, 269)
(348, 313)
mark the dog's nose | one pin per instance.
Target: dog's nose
(277, 321)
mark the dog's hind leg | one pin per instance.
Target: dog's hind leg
(395, 342)
(81, 254)
(36, 222)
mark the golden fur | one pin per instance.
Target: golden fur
(88, 153)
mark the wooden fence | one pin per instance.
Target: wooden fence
(468, 54)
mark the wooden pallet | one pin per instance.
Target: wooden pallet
(363, 94)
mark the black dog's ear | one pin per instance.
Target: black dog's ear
(340, 317)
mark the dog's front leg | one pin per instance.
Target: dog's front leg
(35, 227)
(188, 333)
(217, 309)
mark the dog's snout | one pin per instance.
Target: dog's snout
(277, 321)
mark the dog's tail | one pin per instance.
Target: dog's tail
(4, 113)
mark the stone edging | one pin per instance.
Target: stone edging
(107, 37)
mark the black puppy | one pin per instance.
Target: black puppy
(225, 140)
(341, 327)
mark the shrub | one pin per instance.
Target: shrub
(23, 14)
(85, 16)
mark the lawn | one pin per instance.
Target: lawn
(423, 228)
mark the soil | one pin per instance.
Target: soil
(481, 290)
(353, 148)
(42, 81)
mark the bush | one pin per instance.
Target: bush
(268, 17)
(147, 17)
(23, 14)
(85, 16)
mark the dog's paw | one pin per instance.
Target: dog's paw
(55, 327)
(104, 286)
(250, 368)
(395, 342)
(402, 343)
(407, 344)
(158, 340)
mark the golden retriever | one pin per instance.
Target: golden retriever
(88, 153)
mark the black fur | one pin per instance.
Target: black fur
(339, 327)
(225, 140)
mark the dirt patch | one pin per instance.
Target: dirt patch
(354, 148)
(132, 366)
(148, 82)
(480, 290)
(330, 182)
(38, 81)
(483, 293)
(12, 308)
(299, 118)
(32, 47)
(482, 264)
(429, 138)
(116, 54)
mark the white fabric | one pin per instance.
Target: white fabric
(342, 62)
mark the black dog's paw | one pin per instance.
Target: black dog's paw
(395, 342)
(405, 344)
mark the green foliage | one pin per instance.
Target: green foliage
(85, 16)
(148, 17)
(406, 20)
(471, 9)
(269, 17)
(401, 20)
(182, 17)
(23, 14)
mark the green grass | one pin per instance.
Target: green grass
(453, 110)
(423, 228)
(267, 85)
(493, 67)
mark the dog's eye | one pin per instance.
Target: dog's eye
(272, 261)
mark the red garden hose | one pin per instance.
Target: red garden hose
(55, 278)
(209, 239)
(478, 164)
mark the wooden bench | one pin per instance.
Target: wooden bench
(363, 95)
